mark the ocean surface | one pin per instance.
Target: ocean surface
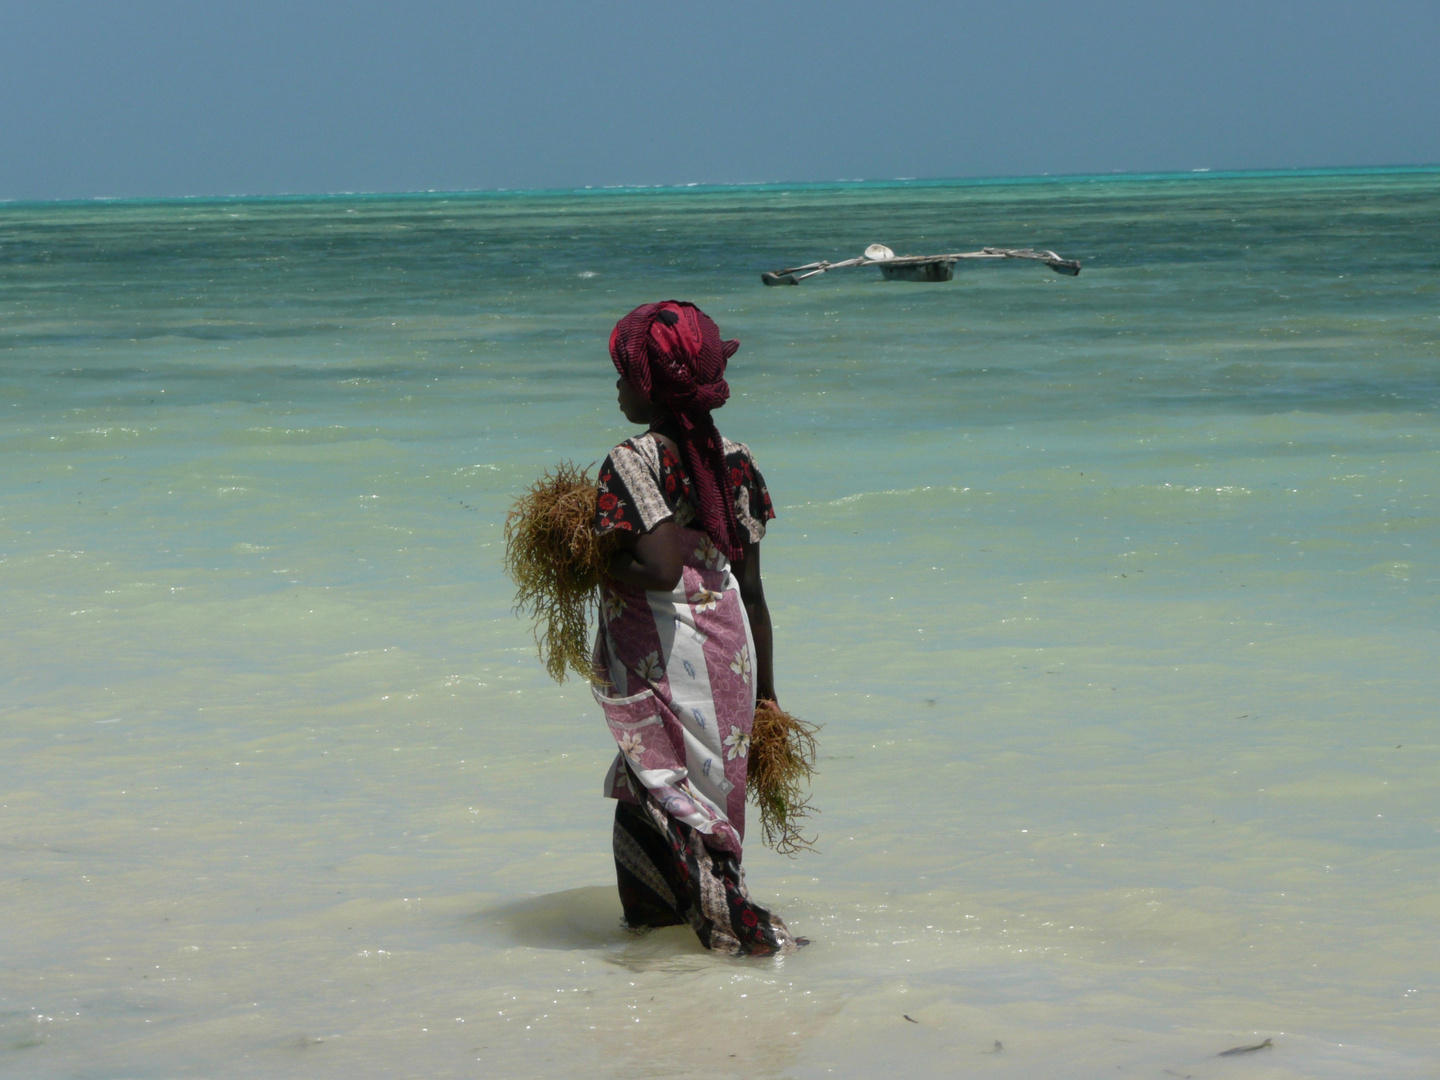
(1118, 598)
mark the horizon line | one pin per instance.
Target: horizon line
(707, 187)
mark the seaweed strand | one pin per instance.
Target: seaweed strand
(557, 561)
(782, 760)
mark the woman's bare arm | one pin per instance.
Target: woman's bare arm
(653, 561)
(752, 593)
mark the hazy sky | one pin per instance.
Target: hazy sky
(153, 98)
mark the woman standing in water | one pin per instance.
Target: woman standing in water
(684, 643)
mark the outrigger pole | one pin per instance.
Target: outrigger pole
(917, 267)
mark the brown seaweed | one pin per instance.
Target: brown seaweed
(782, 760)
(1235, 1051)
(557, 561)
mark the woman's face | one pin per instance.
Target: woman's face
(637, 408)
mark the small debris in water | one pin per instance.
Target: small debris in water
(1234, 1050)
(1182, 1076)
(999, 1046)
(910, 1018)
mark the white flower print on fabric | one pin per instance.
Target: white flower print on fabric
(649, 668)
(708, 553)
(631, 746)
(737, 745)
(614, 605)
(741, 664)
(705, 600)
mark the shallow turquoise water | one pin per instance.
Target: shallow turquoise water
(1117, 597)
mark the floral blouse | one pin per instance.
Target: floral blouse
(643, 483)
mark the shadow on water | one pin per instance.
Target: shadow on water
(585, 918)
(588, 918)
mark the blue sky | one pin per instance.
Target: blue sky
(151, 98)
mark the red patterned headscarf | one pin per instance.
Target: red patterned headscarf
(671, 353)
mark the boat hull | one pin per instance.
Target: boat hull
(940, 270)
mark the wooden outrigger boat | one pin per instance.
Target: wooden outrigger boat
(918, 267)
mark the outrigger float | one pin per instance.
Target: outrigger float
(917, 267)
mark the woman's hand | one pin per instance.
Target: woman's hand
(653, 561)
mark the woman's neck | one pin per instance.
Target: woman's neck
(665, 425)
(667, 433)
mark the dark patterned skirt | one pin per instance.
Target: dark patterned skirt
(668, 877)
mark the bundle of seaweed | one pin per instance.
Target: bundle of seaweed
(556, 559)
(782, 759)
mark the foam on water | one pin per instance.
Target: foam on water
(1116, 596)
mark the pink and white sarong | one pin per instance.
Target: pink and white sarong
(675, 678)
